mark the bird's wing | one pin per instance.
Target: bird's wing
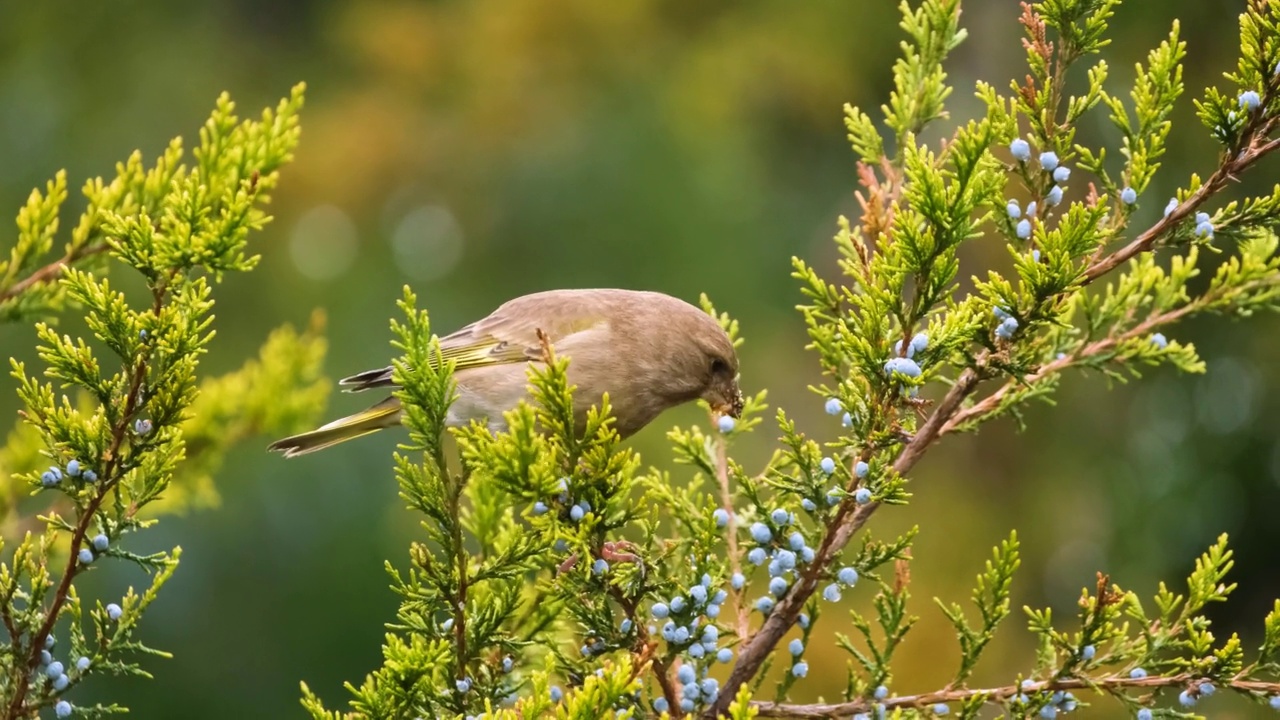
(509, 335)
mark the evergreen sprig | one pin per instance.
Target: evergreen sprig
(120, 415)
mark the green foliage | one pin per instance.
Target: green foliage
(573, 551)
(139, 417)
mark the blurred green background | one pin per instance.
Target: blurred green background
(480, 150)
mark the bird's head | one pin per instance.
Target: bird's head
(716, 368)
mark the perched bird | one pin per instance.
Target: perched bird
(647, 350)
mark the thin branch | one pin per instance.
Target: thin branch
(997, 695)
(51, 272)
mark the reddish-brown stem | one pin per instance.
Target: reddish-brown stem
(50, 272)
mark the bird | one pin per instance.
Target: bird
(647, 350)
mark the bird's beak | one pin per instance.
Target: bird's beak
(732, 408)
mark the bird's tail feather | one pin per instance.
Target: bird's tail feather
(383, 415)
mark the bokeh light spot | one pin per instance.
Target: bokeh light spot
(324, 242)
(427, 243)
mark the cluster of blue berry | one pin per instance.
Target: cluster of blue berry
(1049, 162)
(860, 469)
(54, 476)
(1008, 323)
(689, 627)
(1204, 223)
(56, 672)
(1059, 701)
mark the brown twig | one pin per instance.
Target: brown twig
(51, 272)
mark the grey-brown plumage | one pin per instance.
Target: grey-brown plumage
(647, 350)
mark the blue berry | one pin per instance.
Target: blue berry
(780, 516)
(1031, 209)
(919, 342)
(1061, 173)
(540, 508)
(904, 366)
(862, 496)
(1159, 340)
(726, 424)
(881, 692)
(860, 469)
(687, 705)
(53, 669)
(721, 517)
(1049, 712)
(706, 580)
(756, 556)
(786, 559)
(86, 556)
(1186, 699)
(833, 406)
(1137, 673)
(1128, 196)
(713, 610)
(808, 505)
(90, 476)
(761, 533)
(710, 686)
(1048, 160)
(765, 604)
(696, 651)
(1274, 702)
(682, 635)
(686, 674)
(142, 426)
(62, 709)
(847, 575)
(576, 513)
(831, 593)
(846, 420)
(73, 468)
(561, 545)
(1055, 195)
(711, 634)
(827, 465)
(1088, 651)
(61, 682)
(1207, 689)
(720, 596)
(508, 663)
(833, 496)
(48, 479)
(660, 610)
(114, 612)
(1013, 210)
(1249, 100)
(100, 542)
(600, 566)
(941, 709)
(1171, 206)
(1007, 328)
(796, 541)
(669, 631)
(796, 647)
(677, 604)
(737, 581)
(1204, 229)
(1023, 229)
(556, 694)
(46, 657)
(725, 655)
(778, 586)
(1020, 149)
(50, 641)
(800, 669)
(699, 594)
(1145, 714)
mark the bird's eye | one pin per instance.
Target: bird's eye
(719, 367)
